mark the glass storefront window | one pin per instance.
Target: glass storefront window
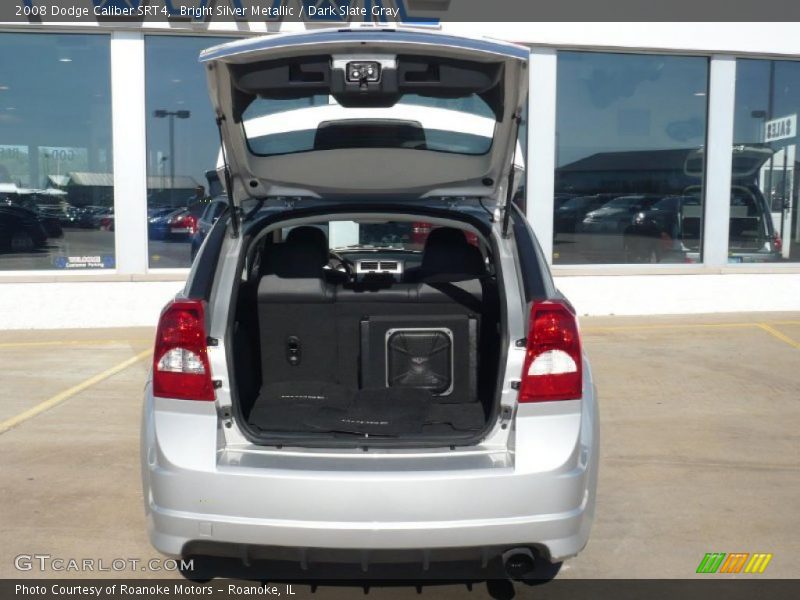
(182, 147)
(56, 177)
(763, 224)
(630, 134)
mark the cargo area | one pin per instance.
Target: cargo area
(396, 340)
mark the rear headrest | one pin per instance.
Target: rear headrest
(303, 254)
(449, 257)
(309, 236)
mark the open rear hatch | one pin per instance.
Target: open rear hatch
(366, 111)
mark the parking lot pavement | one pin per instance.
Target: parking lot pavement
(699, 446)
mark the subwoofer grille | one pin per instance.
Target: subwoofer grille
(420, 358)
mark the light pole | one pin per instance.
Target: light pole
(171, 114)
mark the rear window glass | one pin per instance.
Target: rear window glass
(463, 125)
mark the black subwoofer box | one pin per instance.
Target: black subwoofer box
(437, 353)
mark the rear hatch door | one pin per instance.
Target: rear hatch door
(358, 112)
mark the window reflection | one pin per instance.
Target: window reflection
(629, 158)
(56, 177)
(763, 224)
(182, 148)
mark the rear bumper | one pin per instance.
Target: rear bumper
(478, 500)
(562, 535)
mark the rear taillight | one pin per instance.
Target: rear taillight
(422, 228)
(419, 232)
(552, 368)
(180, 360)
(777, 243)
(187, 222)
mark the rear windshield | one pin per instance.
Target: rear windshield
(376, 235)
(463, 125)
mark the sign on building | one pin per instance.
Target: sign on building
(780, 129)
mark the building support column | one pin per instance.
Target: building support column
(130, 151)
(719, 148)
(541, 164)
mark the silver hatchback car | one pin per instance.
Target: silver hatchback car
(369, 360)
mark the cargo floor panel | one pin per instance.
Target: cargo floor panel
(322, 407)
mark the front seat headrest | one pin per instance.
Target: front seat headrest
(449, 257)
(309, 236)
(302, 255)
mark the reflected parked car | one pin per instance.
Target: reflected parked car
(616, 215)
(214, 210)
(158, 223)
(21, 230)
(671, 226)
(752, 236)
(571, 211)
(89, 217)
(183, 225)
(67, 216)
(179, 224)
(51, 224)
(105, 220)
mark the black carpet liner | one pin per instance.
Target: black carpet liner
(326, 407)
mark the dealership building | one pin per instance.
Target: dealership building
(660, 163)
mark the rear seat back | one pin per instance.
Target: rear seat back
(296, 314)
(312, 330)
(297, 326)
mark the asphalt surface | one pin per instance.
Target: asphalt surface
(699, 450)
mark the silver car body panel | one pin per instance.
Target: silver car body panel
(540, 491)
(531, 481)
